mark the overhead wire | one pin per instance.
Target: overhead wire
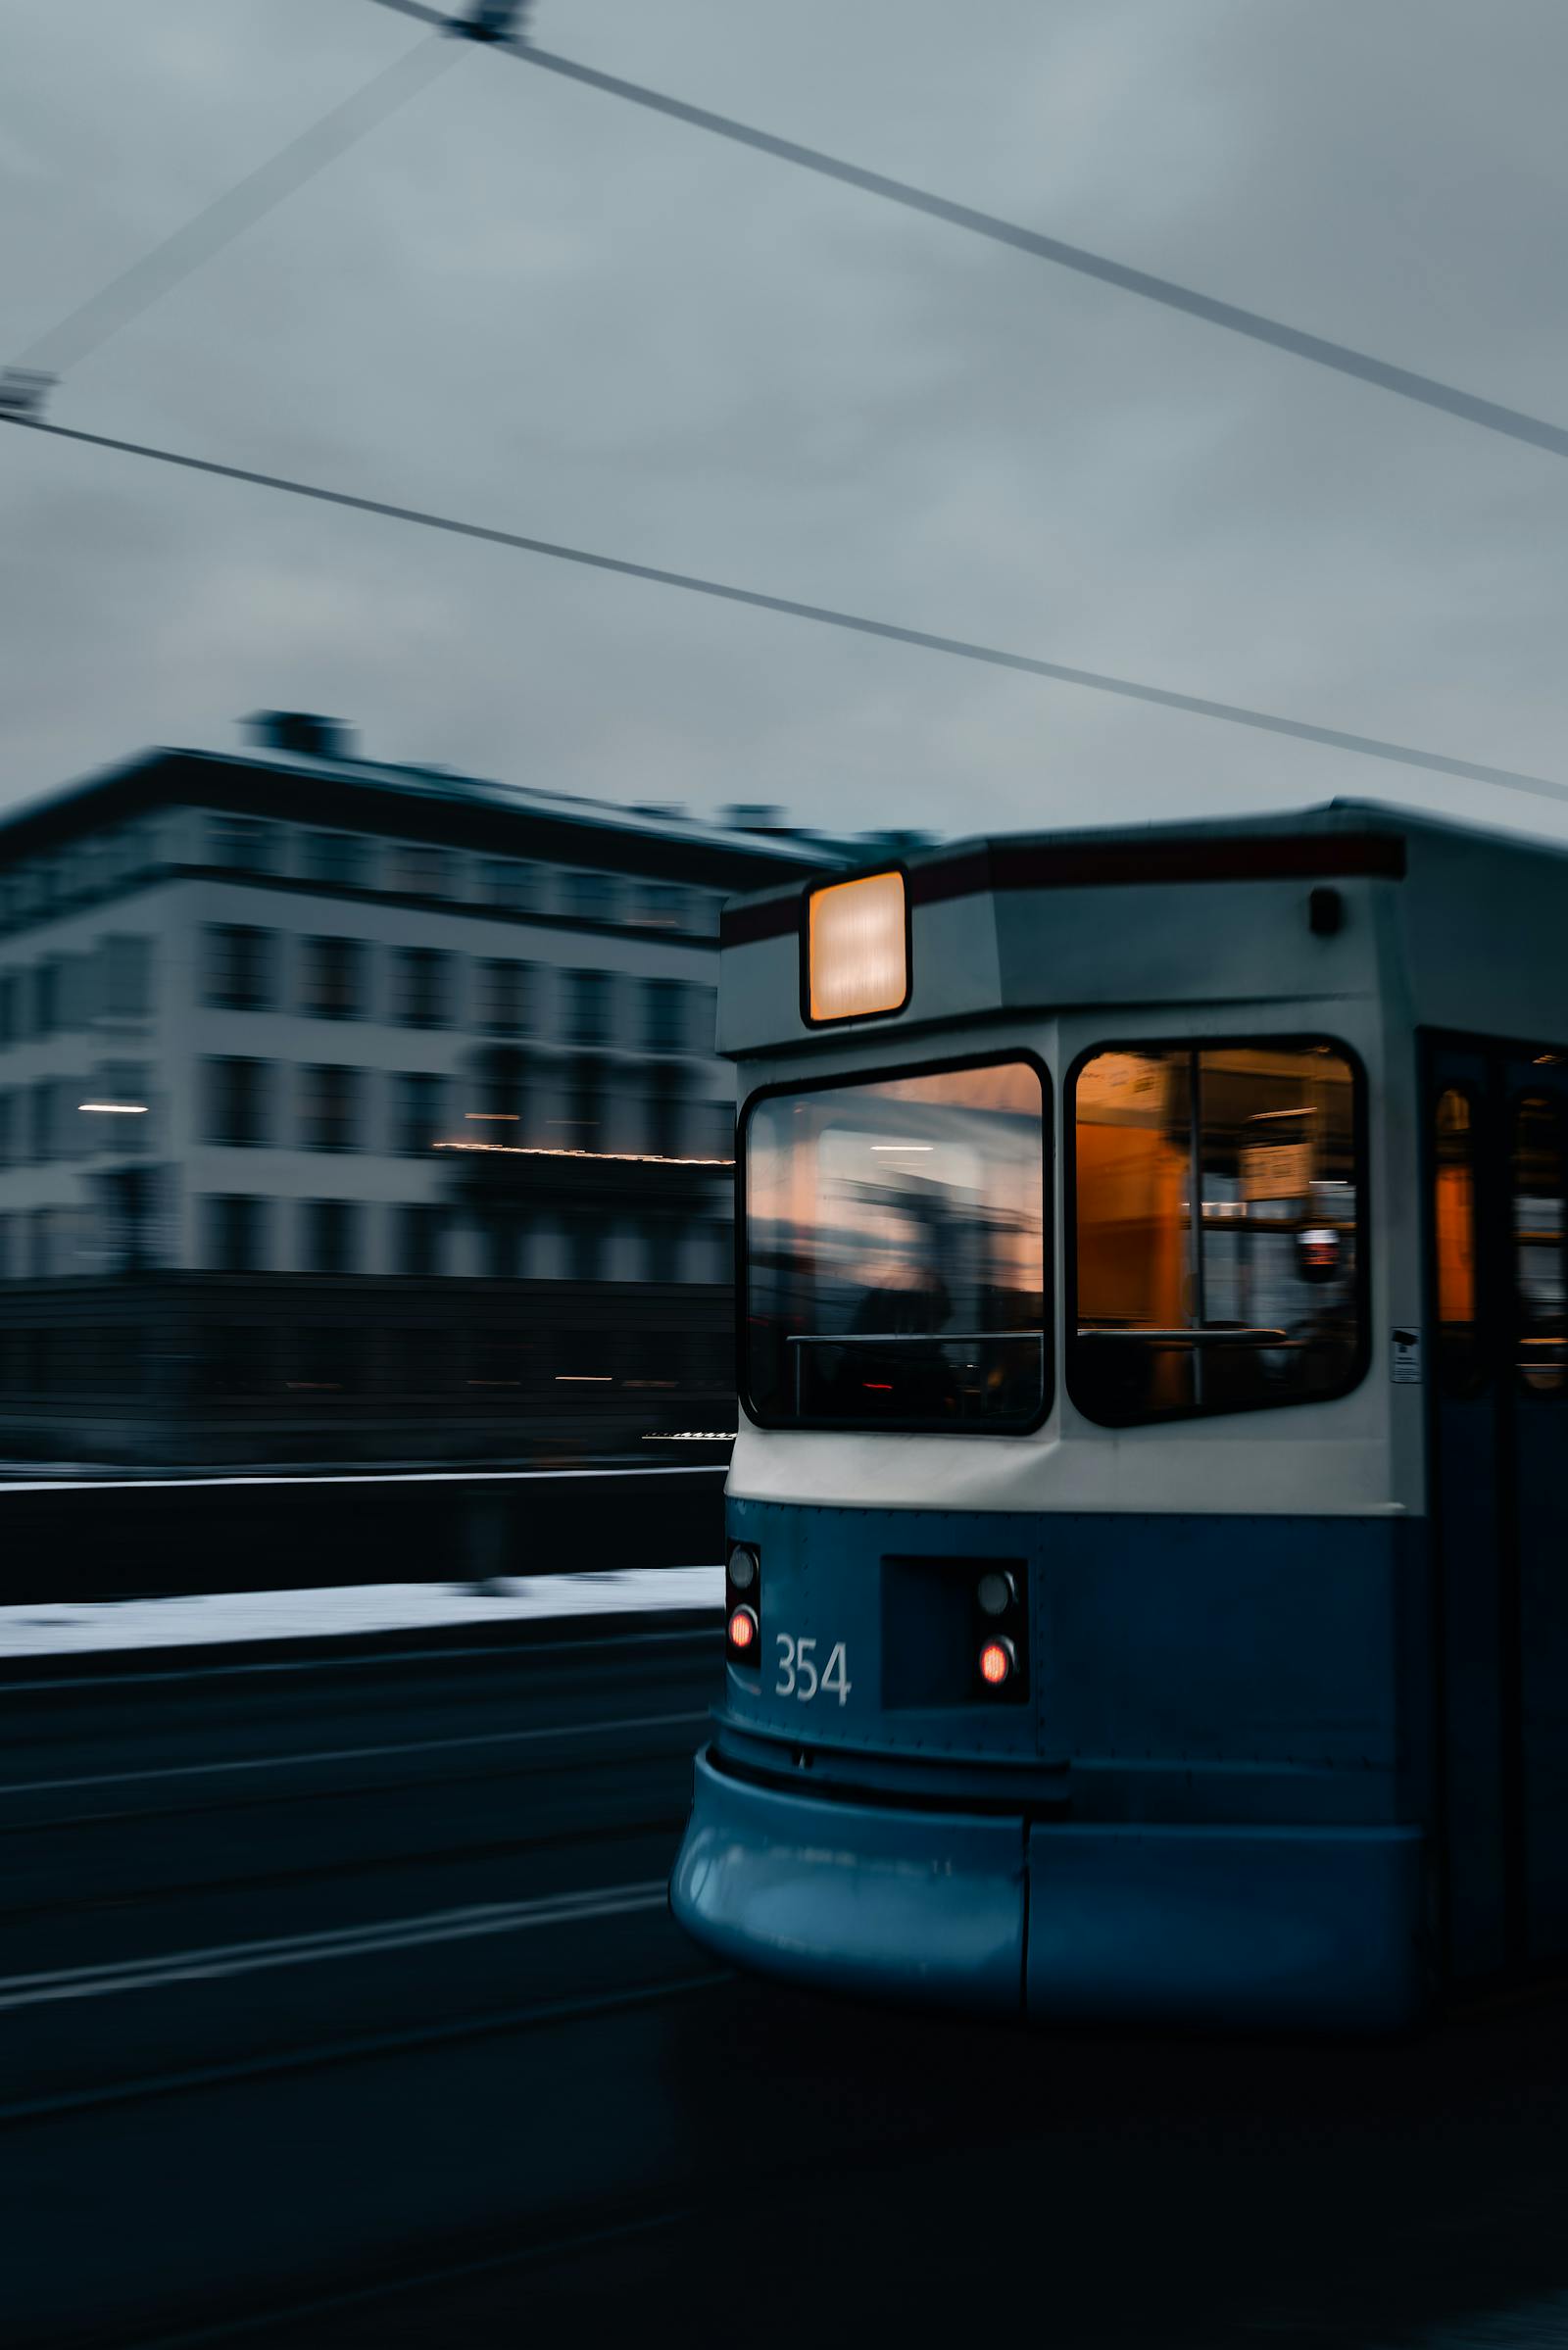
(88, 326)
(925, 640)
(1342, 359)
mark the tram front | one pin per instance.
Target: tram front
(1057, 1677)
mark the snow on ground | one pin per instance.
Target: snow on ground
(72, 1626)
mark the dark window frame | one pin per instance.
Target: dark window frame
(329, 961)
(884, 1073)
(221, 947)
(1297, 1041)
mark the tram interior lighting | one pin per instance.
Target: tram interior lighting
(857, 948)
(996, 1663)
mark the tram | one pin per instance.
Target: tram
(1147, 1529)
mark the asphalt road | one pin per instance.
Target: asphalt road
(340, 2004)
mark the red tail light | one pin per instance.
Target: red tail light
(997, 1661)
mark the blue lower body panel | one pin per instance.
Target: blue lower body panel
(1233, 1928)
(918, 1906)
(1236, 1928)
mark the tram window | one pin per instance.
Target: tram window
(1259, 1305)
(1459, 1356)
(1541, 1295)
(895, 1252)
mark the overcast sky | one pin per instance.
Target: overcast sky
(527, 304)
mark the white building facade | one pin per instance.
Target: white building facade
(351, 1110)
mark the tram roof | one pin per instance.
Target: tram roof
(1104, 915)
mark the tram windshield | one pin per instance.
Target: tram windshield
(895, 1251)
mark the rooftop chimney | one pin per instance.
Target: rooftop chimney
(301, 733)
(753, 815)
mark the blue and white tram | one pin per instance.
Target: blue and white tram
(1148, 1530)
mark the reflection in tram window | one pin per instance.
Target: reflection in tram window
(1458, 1331)
(1260, 1304)
(1540, 1298)
(895, 1251)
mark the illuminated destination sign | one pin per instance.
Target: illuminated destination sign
(858, 959)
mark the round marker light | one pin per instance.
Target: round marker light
(996, 1663)
(742, 1629)
(742, 1568)
(997, 1592)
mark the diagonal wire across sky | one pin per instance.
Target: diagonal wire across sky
(91, 324)
(1383, 374)
(924, 640)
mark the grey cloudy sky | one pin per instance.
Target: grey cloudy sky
(526, 304)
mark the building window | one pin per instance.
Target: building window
(592, 896)
(663, 1015)
(332, 979)
(715, 1129)
(7, 1112)
(419, 871)
(76, 1007)
(123, 1128)
(701, 1018)
(585, 1128)
(506, 885)
(331, 1236)
(496, 1094)
(11, 1022)
(44, 1138)
(337, 859)
(424, 986)
(662, 905)
(239, 966)
(45, 999)
(237, 1100)
(419, 1232)
(418, 1108)
(666, 1112)
(329, 1108)
(585, 1243)
(42, 1223)
(501, 997)
(236, 1234)
(242, 845)
(127, 976)
(588, 1008)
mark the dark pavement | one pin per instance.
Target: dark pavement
(340, 2004)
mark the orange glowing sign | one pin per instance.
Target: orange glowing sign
(858, 951)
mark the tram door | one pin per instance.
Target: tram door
(1497, 1210)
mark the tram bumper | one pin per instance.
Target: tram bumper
(854, 1897)
(1231, 1928)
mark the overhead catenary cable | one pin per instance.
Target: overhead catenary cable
(1342, 358)
(90, 325)
(1232, 713)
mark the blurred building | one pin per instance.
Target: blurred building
(357, 1111)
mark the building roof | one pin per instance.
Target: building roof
(336, 787)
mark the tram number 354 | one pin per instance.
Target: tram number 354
(799, 1675)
